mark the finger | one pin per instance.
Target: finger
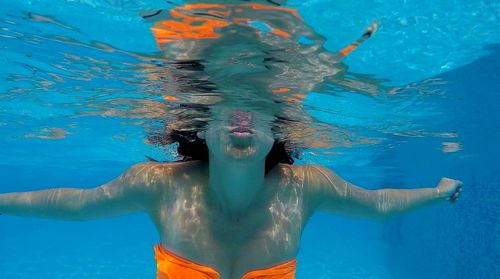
(455, 197)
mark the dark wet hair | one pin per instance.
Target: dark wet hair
(192, 117)
(191, 148)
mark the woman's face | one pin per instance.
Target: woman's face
(239, 135)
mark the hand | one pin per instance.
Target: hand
(449, 189)
(371, 29)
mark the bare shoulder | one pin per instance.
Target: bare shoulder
(310, 173)
(151, 179)
(162, 169)
(316, 178)
(311, 176)
(146, 169)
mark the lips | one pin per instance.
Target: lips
(241, 137)
(241, 130)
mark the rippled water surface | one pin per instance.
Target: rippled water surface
(86, 85)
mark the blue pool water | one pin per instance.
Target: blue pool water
(440, 61)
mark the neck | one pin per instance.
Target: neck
(234, 186)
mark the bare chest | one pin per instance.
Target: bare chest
(269, 233)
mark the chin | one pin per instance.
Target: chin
(242, 153)
(239, 146)
(245, 154)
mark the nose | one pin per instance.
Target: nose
(242, 118)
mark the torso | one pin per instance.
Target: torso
(268, 234)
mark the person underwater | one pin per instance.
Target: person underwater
(235, 205)
(238, 213)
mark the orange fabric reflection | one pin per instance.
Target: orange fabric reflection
(171, 266)
(188, 26)
(348, 49)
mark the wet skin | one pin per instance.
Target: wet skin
(193, 224)
(228, 213)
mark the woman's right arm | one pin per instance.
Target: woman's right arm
(333, 194)
(135, 190)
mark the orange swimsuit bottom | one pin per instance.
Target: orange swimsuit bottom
(171, 266)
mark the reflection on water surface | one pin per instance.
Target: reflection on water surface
(258, 56)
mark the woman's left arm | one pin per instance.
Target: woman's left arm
(331, 193)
